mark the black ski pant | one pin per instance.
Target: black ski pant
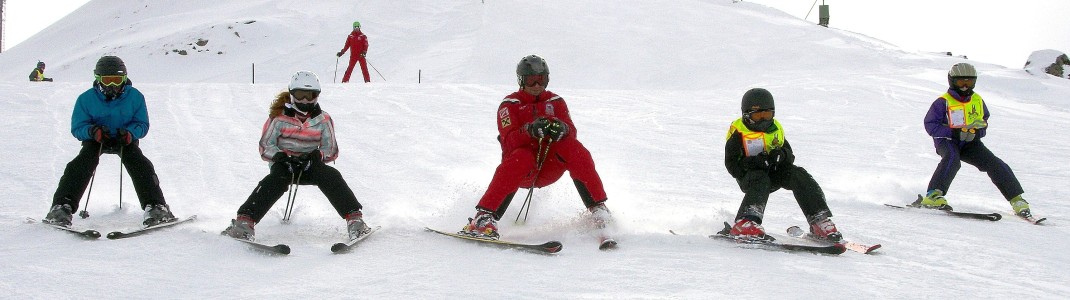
(758, 184)
(976, 154)
(276, 183)
(80, 170)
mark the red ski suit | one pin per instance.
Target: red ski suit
(357, 43)
(518, 167)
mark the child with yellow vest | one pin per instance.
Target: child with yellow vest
(760, 159)
(957, 121)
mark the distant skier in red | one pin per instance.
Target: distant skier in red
(357, 44)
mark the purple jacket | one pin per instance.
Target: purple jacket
(936, 120)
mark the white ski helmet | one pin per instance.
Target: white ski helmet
(305, 80)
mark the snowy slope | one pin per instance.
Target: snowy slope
(652, 89)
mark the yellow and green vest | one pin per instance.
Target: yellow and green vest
(961, 114)
(755, 142)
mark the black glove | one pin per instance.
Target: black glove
(292, 163)
(538, 129)
(557, 130)
(340, 53)
(48, 79)
(99, 133)
(757, 162)
(125, 137)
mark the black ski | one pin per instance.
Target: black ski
(343, 247)
(772, 244)
(967, 215)
(85, 233)
(606, 243)
(282, 249)
(546, 248)
(114, 235)
(797, 232)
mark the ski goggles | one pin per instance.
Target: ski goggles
(531, 80)
(760, 115)
(965, 82)
(304, 95)
(111, 80)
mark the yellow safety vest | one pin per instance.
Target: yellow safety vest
(40, 75)
(755, 142)
(961, 114)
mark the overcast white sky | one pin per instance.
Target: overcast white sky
(999, 32)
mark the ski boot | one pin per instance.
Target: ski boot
(1021, 208)
(825, 229)
(483, 225)
(934, 199)
(59, 215)
(600, 216)
(156, 214)
(241, 228)
(746, 229)
(356, 226)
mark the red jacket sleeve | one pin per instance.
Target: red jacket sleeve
(511, 122)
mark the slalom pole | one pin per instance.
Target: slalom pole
(336, 69)
(376, 70)
(85, 213)
(541, 157)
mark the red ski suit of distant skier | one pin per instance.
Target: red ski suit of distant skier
(518, 166)
(357, 44)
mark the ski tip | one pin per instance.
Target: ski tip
(338, 247)
(608, 244)
(552, 246)
(872, 248)
(114, 235)
(282, 249)
(93, 234)
(994, 217)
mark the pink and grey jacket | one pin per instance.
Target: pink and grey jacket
(287, 133)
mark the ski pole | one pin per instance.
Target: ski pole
(121, 176)
(336, 69)
(291, 201)
(540, 158)
(85, 213)
(376, 70)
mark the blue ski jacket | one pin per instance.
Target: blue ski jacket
(127, 111)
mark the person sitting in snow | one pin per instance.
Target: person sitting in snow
(539, 143)
(297, 141)
(38, 73)
(109, 118)
(759, 157)
(957, 121)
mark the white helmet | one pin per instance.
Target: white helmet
(305, 80)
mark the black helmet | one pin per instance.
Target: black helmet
(530, 65)
(110, 65)
(757, 99)
(960, 71)
(40, 65)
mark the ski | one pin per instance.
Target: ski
(545, 248)
(772, 244)
(795, 231)
(1033, 220)
(606, 243)
(343, 247)
(968, 215)
(282, 249)
(114, 235)
(85, 233)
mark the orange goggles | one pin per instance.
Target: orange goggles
(962, 82)
(760, 115)
(111, 80)
(531, 80)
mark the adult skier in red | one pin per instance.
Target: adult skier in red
(357, 44)
(539, 143)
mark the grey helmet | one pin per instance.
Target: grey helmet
(530, 65)
(962, 70)
(757, 99)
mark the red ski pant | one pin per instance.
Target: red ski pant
(518, 169)
(353, 59)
